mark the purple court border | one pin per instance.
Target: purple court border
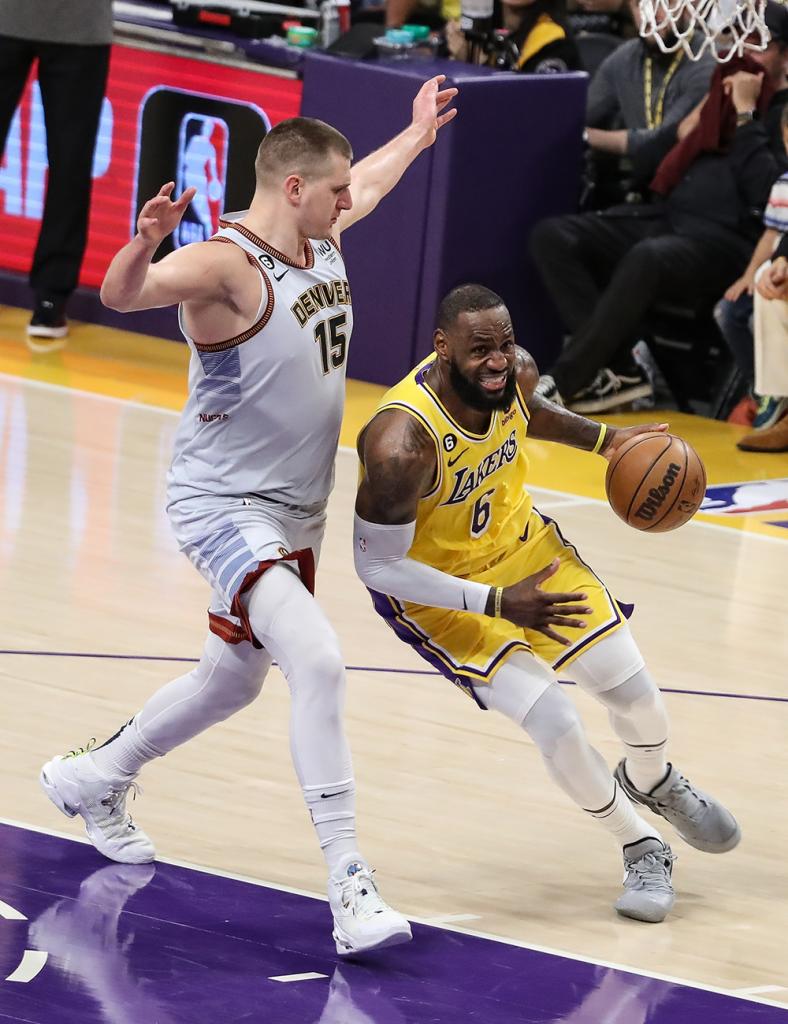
(154, 942)
(364, 668)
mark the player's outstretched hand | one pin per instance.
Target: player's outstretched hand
(160, 215)
(429, 108)
(530, 607)
(616, 436)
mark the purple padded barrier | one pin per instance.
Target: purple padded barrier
(464, 210)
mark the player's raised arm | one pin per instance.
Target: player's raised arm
(377, 174)
(133, 282)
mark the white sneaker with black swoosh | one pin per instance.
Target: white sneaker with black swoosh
(362, 919)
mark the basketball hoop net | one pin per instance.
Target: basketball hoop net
(726, 28)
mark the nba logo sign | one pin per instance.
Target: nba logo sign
(194, 139)
(202, 164)
(765, 499)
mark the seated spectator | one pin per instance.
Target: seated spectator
(606, 270)
(537, 39)
(771, 349)
(734, 313)
(637, 98)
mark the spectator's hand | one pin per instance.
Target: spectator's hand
(744, 284)
(160, 215)
(773, 282)
(428, 107)
(455, 41)
(744, 89)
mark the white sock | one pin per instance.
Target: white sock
(621, 820)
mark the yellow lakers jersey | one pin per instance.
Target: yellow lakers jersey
(479, 507)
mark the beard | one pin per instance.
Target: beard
(474, 396)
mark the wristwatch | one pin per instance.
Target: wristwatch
(744, 117)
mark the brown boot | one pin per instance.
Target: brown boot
(772, 439)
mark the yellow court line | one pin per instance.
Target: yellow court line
(153, 371)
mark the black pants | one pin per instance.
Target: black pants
(72, 80)
(605, 272)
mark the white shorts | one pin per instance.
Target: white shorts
(232, 541)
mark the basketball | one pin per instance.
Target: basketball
(655, 482)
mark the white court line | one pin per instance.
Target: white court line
(30, 966)
(420, 920)
(576, 499)
(9, 913)
(450, 919)
(757, 989)
(309, 976)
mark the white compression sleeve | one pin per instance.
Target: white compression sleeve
(380, 553)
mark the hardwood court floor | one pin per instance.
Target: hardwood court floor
(454, 806)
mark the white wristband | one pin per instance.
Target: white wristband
(380, 554)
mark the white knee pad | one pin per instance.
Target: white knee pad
(516, 686)
(608, 663)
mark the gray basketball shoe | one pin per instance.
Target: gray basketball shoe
(698, 818)
(648, 894)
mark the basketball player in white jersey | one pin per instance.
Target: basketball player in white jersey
(266, 309)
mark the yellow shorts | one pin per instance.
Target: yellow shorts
(469, 649)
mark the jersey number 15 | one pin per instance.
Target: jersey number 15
(330, 337)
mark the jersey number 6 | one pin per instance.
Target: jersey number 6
(330, 336)
(480, 516)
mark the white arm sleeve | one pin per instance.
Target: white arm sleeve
(380, 553)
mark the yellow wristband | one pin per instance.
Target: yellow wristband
(600, 439)
(498, 599)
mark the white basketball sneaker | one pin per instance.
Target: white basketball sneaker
(362, 920)
(75, 787)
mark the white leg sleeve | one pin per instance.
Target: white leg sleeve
(526, 691)
(634, 704)
(226, 679)
(292, 626)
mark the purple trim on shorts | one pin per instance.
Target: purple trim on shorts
(622, 612)
(390, 610)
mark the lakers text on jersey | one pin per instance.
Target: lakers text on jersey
(478, 522)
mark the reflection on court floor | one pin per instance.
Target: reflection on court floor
(168, 944)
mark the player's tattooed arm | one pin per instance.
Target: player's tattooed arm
(550, 422)
(400, 463)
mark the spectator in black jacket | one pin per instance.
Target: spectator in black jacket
(605, 271)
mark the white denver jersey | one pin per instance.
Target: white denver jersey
(265, 408)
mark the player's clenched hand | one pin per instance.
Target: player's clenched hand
(527, 605)
(773, 282)
(160, 215)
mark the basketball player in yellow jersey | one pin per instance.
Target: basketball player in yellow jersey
(477, 581)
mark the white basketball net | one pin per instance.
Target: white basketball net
(724, 27)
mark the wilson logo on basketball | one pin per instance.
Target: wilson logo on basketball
(657, 495)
